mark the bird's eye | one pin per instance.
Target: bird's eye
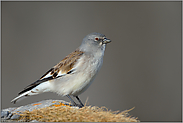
(96, 38)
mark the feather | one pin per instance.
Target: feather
(66, 66)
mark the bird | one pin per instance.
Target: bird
(74, 74)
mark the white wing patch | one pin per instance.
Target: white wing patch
(47, 76)
(50, 74)
(61, 73)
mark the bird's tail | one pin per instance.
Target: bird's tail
(33, 89)
(21, 96)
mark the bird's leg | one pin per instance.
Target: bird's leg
(81, 104)
(72, 100)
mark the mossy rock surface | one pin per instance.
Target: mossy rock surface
(60, 111)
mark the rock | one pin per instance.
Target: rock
(4, 114)
(11, 114)
(15, 117)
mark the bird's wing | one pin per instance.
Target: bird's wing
(64, 67)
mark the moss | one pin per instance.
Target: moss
(63, 113)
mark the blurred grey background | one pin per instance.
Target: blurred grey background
(142, 65)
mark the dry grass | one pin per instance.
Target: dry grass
(62, 113)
